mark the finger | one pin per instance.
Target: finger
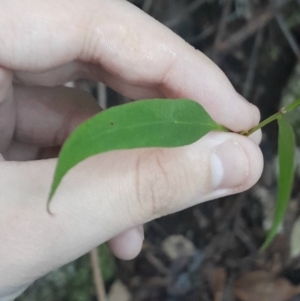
(256, 137)
(21, 152)
(24, 152)
(109, 194)
(109, 34)
(128, 244)
(56, 111)
(7, 109)
(53, 77)
(76, 70)
(12, 293)
(46, 116)
(158, 58)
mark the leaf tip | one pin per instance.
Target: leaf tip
(48, 202)
(49, 211)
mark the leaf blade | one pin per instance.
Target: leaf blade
(286, 153)
(146, 123)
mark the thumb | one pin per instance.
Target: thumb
(112, 192)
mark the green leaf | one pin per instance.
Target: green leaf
(145, 123)
(286, 152)
(107, 262)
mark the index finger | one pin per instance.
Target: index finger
(139, 51)
(132, 51)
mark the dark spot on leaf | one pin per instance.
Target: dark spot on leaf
(111, 123)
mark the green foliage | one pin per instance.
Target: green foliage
(290, 94)
(286, 153)
(146, 123)
(107, 262)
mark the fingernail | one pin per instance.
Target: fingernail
(230, 166)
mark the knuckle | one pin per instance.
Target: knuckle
(154, 184)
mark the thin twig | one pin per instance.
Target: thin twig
(147, 5)
(231, 211)
(95, 264)
(241, 35)
(242, 235)
(184, 13)
(97, 276)
(221, 28)
(159, 228)
(289, 37)
(161, 268)
(102, 97)
(207, 32)
(251, 27)
(252, 64)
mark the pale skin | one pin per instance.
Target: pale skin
(44, 44)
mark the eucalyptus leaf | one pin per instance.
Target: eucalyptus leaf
(144, 123)
(286, 153)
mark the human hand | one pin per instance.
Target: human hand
(109, 196)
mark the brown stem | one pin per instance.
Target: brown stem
(97, 276)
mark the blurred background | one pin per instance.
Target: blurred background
(210, 251)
